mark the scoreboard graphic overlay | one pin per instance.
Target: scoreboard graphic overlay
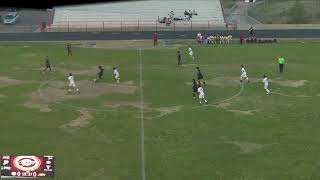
(27, 166)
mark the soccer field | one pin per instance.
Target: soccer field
(148, 127)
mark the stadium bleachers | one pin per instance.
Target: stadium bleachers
(143, 11)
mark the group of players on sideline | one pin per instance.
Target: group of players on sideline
(214, 39)
(71, 79)
(197, 86)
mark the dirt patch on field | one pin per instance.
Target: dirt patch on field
(232, 81)
(57, 91)
(290, 83)
(162, 111)
(5, 81)
(91, 71)
(42, 99)
(294, 96)
(134, 104)
(82, 121)
(246, 147)
(223, 81)
(168, 110)
(225, 106)
(250, 113)
(165, 111)
(128, 83)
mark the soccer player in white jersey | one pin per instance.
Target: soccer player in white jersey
(201, 94)
(191, 53)
(72, 83)
(266, 83)
(243, 74)
(116, 74)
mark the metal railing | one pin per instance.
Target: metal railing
(88, 26)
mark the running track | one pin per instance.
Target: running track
(64, 36)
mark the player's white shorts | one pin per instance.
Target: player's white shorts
(191, 53)
(266, 86)
(117, 77)
(201, 96)
(244, 75)
(72, 84)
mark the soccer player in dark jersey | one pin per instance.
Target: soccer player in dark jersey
(47, 64)
(194, 88)
(69, 49)
(179, 58)
(200, 76)
(99, 74)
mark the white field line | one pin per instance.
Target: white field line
(143, 166)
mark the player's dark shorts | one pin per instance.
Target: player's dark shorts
(100, 75)
(48, 66)
(194, 89)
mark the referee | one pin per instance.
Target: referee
(179, 58)
(281, 62)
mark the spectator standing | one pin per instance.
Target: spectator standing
(241, 39)
(155, 39)
(205, 38)
(199, 34)
(251, 32)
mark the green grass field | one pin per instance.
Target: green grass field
(105, 132)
